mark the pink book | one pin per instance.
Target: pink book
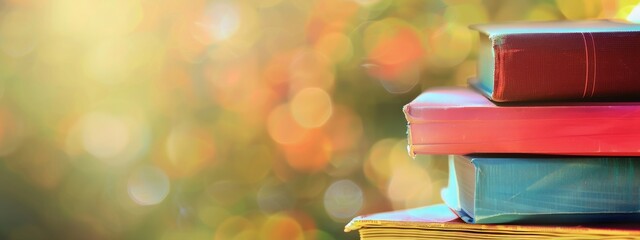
(462, 121)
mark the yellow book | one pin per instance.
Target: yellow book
(439, 222)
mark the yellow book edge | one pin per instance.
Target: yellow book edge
(439, 218)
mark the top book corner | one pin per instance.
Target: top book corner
(584, 26)
(597, 60)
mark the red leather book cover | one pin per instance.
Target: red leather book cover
(543, 61)
(462, 121)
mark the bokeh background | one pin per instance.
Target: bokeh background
(256, 119)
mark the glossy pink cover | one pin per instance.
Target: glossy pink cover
(462, 121)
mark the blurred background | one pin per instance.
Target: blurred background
(256, 119)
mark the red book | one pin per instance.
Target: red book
(462, 121)
(542, 61)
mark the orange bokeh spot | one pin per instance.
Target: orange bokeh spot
(188, 39)
(336, 46)
(311, 107)
(395, 52)
(281, 226)
(311, 154)
(305, 221)
(282, 127)
(330, 16)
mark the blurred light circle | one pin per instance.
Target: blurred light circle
(104, 135)
(634, 15)
(280, 226)
(377, 168)
(148, 186)
(311, 107)
(222, 20)
(336, 46)
(311, 154)
(450, 45)
(282, 126)
(408, 182)
(394, 54)
(392, 41)
(343, 199)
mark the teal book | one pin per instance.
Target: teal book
(547, 190)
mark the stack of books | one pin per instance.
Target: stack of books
(545, 143)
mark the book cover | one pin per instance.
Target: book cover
(462, 121)
(564, 60)
(439, 222)
(535, 189)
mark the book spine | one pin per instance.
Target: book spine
(566, 66)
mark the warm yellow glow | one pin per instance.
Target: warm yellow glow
(222, 20)
(228, 119)
(543, 12)
(377, 167)
(311, 107)
(18, 33)
(402, 189)
(575, 10)
(282, 126)
(105, 136)
(93, 20)
(281, 227)
(466, 13)
(450, 45)
(337, 46)
(394, 52)
(148, 186)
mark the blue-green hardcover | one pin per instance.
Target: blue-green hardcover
(545, 189)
